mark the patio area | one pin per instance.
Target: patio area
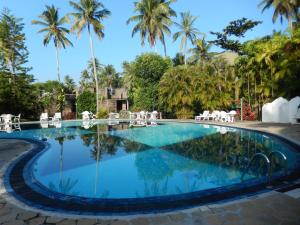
(267, 208)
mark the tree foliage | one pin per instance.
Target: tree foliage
(54, 30)
(153, 20)
(16, 92)
(142, 77)
(288, 9)
(14, 53)
(86, 101)
(236, 29)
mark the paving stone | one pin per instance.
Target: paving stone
(5, 211)
(178, 217)
(268, 219)
(2, 205)
(26, 215)
(67, 222)
(37, 221)
(231, 219)
(7, 218)
(14, 222)
(53, 219)
(105, 222)
(140, 221)
(160, 220)
(86, 222)
(198, 221)
(213, 219)
(121, 222)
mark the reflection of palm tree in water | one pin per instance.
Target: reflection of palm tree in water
(102, 144)
(65, 186)
(61, 143)
(156, 188)
(188, 185)
(97, 160)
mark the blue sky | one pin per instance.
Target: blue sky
(118, 46)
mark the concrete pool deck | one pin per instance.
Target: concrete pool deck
(269, 208)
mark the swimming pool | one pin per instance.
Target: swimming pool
(113, 168)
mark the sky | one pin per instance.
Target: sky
(118, 45)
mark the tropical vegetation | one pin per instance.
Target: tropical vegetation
(254, 71)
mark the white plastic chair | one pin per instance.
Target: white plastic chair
(16, 119)
(92, 116)
(232, 115)
(153, 115)
(56, 117)
(85, 115)
(8, 118)
(44, 117)
(143, 115)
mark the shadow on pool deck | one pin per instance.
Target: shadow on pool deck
(268, 209)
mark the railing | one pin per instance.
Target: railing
(268, 161)
(273, 153)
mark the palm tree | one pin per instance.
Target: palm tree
(53, 27)
(186, 30)
(200, 51)
(283, 8)
(89, 14)
(69, 84)
(153, 20)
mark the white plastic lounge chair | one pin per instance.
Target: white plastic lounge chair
(44, 117)
(214, 115)
(204, 116)
(224, 117)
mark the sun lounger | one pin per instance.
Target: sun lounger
(204, 116)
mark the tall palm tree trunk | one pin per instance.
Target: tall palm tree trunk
(184, 53)
(95, 70)
(57, 63)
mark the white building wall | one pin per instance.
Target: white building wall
(267, 113)
(281, 111)
(293, 109)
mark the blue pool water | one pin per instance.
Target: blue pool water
(105, 161)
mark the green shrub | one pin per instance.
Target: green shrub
(102, 114)
(86, 102)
